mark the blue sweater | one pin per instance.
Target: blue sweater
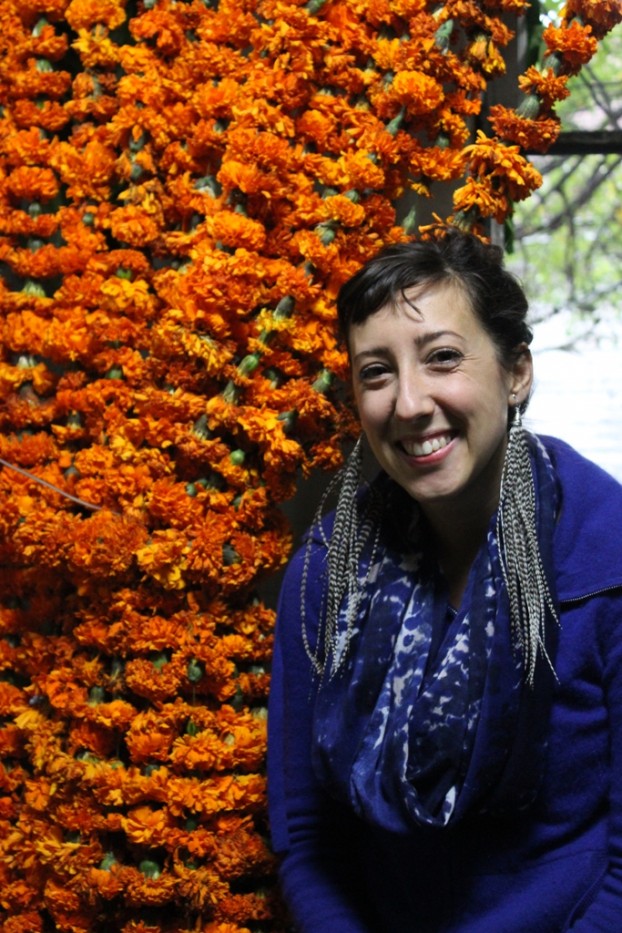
(552, 868)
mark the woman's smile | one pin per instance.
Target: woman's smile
(424, 448)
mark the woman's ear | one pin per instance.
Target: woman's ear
(521, 374)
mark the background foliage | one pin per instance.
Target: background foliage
(568, 237)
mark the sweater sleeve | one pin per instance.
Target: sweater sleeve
(314, 837)
(601, 909)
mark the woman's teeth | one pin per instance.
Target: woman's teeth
(415, 449)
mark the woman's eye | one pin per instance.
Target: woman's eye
(446, 358)
(373, 372)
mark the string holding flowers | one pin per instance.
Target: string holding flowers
(183, 189)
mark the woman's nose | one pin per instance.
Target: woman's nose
(413, 399)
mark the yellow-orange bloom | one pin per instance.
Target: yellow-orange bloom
(84, 14)
(95, 48)
(235, 230)
(134, 225)
(575, 43)
(547, 86)
(602, 15)
(485, 53)
(538, 134)
(32, 183)
(494, 163)
(418, 92)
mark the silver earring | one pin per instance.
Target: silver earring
(521, 562)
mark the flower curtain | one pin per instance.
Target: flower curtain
(183, 188)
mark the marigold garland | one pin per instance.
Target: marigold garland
(183, 188)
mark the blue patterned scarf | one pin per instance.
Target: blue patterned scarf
(429, 718)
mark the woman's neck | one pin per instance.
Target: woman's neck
(457, 541)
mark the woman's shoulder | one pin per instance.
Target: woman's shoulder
(576, 466)
(587, 540)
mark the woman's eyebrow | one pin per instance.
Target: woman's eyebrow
(371, 351)
(430, 336)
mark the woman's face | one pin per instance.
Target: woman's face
(433, 398)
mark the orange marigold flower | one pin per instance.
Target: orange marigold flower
(602, 15)
(247, 178)
(32, 83)
(89, 736)
(18, 894)
(122, 296)
(214, 101)
(37, 793)
(486, 55)
(575, 43)
(134, 225)
(150, 737)
(218, 926)
(60, 900)
(113, 714)
(149, 633)
(32, 183)
(84, 14)
(510, 6)
(49, 114)
(439, 164)
(418, 92)
(480, 196)
(170, 503)
(86, 172)
(203, 752)
(163, 557)
(147, 827)
(154, 683)
(108, 884)
(26, 146)
(12, 699)
(48, 44)
(162, 26)
(320, 128)
(27, 922)
(95, 48)
(343, 210)
(11, 742)
(538, 134)
(240, 744)
(105, 544)
(360, 171)
(63, 693)
(470, 14)
(236, 230)
(235, 792)
(511, 172)
(254, 686)
(546, 85)
(145, 892)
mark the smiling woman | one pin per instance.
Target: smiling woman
(433, 382)
(438, 634)
(433, 398)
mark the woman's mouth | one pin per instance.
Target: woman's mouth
(424, 448)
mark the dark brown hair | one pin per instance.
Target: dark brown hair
(496, 296)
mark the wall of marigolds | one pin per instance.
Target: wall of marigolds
(183, 188)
